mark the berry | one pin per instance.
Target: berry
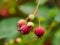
(0, 11)
(18, 40)
(4, 12)
(6, 43)
(21, 22)
(12, 10)
(11, 41)
(31, 17)
(39, 31)
(24, 29)
(30, 25)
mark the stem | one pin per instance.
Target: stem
(39, 21)
(34, 12)
(36, 8)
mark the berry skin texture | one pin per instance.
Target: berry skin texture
(21, 22)
(24, 29)
(30, 25)
(31, 17)
(39, 31)
(18, 40)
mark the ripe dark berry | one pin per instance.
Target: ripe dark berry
(39, 31)
(24, 29)
(21, 22)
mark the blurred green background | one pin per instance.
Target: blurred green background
(13, 10)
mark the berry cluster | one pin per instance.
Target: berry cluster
(24, 26)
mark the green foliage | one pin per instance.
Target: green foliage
(49, 19)
(8, 28)
(56, 40)
(42, 2)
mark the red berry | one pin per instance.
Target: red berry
(21, 22)
(39, 31)
(24, 29)
(4, 12)
(0, 11)
(30, 27)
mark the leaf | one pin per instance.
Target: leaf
(42, 1)
(57, 17)
(8, 28)
(53, 12)
(29, 7)
(56, 39)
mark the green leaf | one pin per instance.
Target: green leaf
(8, 28)
(56, 39)
(57, 17)
(53, 12)
(41, 2)
(29, 7)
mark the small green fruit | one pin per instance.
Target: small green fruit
(31, 17)
(11, 41)
(12, 11)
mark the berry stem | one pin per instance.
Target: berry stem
(34, 12)
(39, 23)
(36, 8)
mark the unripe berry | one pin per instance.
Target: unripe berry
(18, 40)
(31, 17)
(21, 22)
(12, 10)
(39, 31)
(11, 41)
(30, 25)
(6, 43)
(24, 29)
